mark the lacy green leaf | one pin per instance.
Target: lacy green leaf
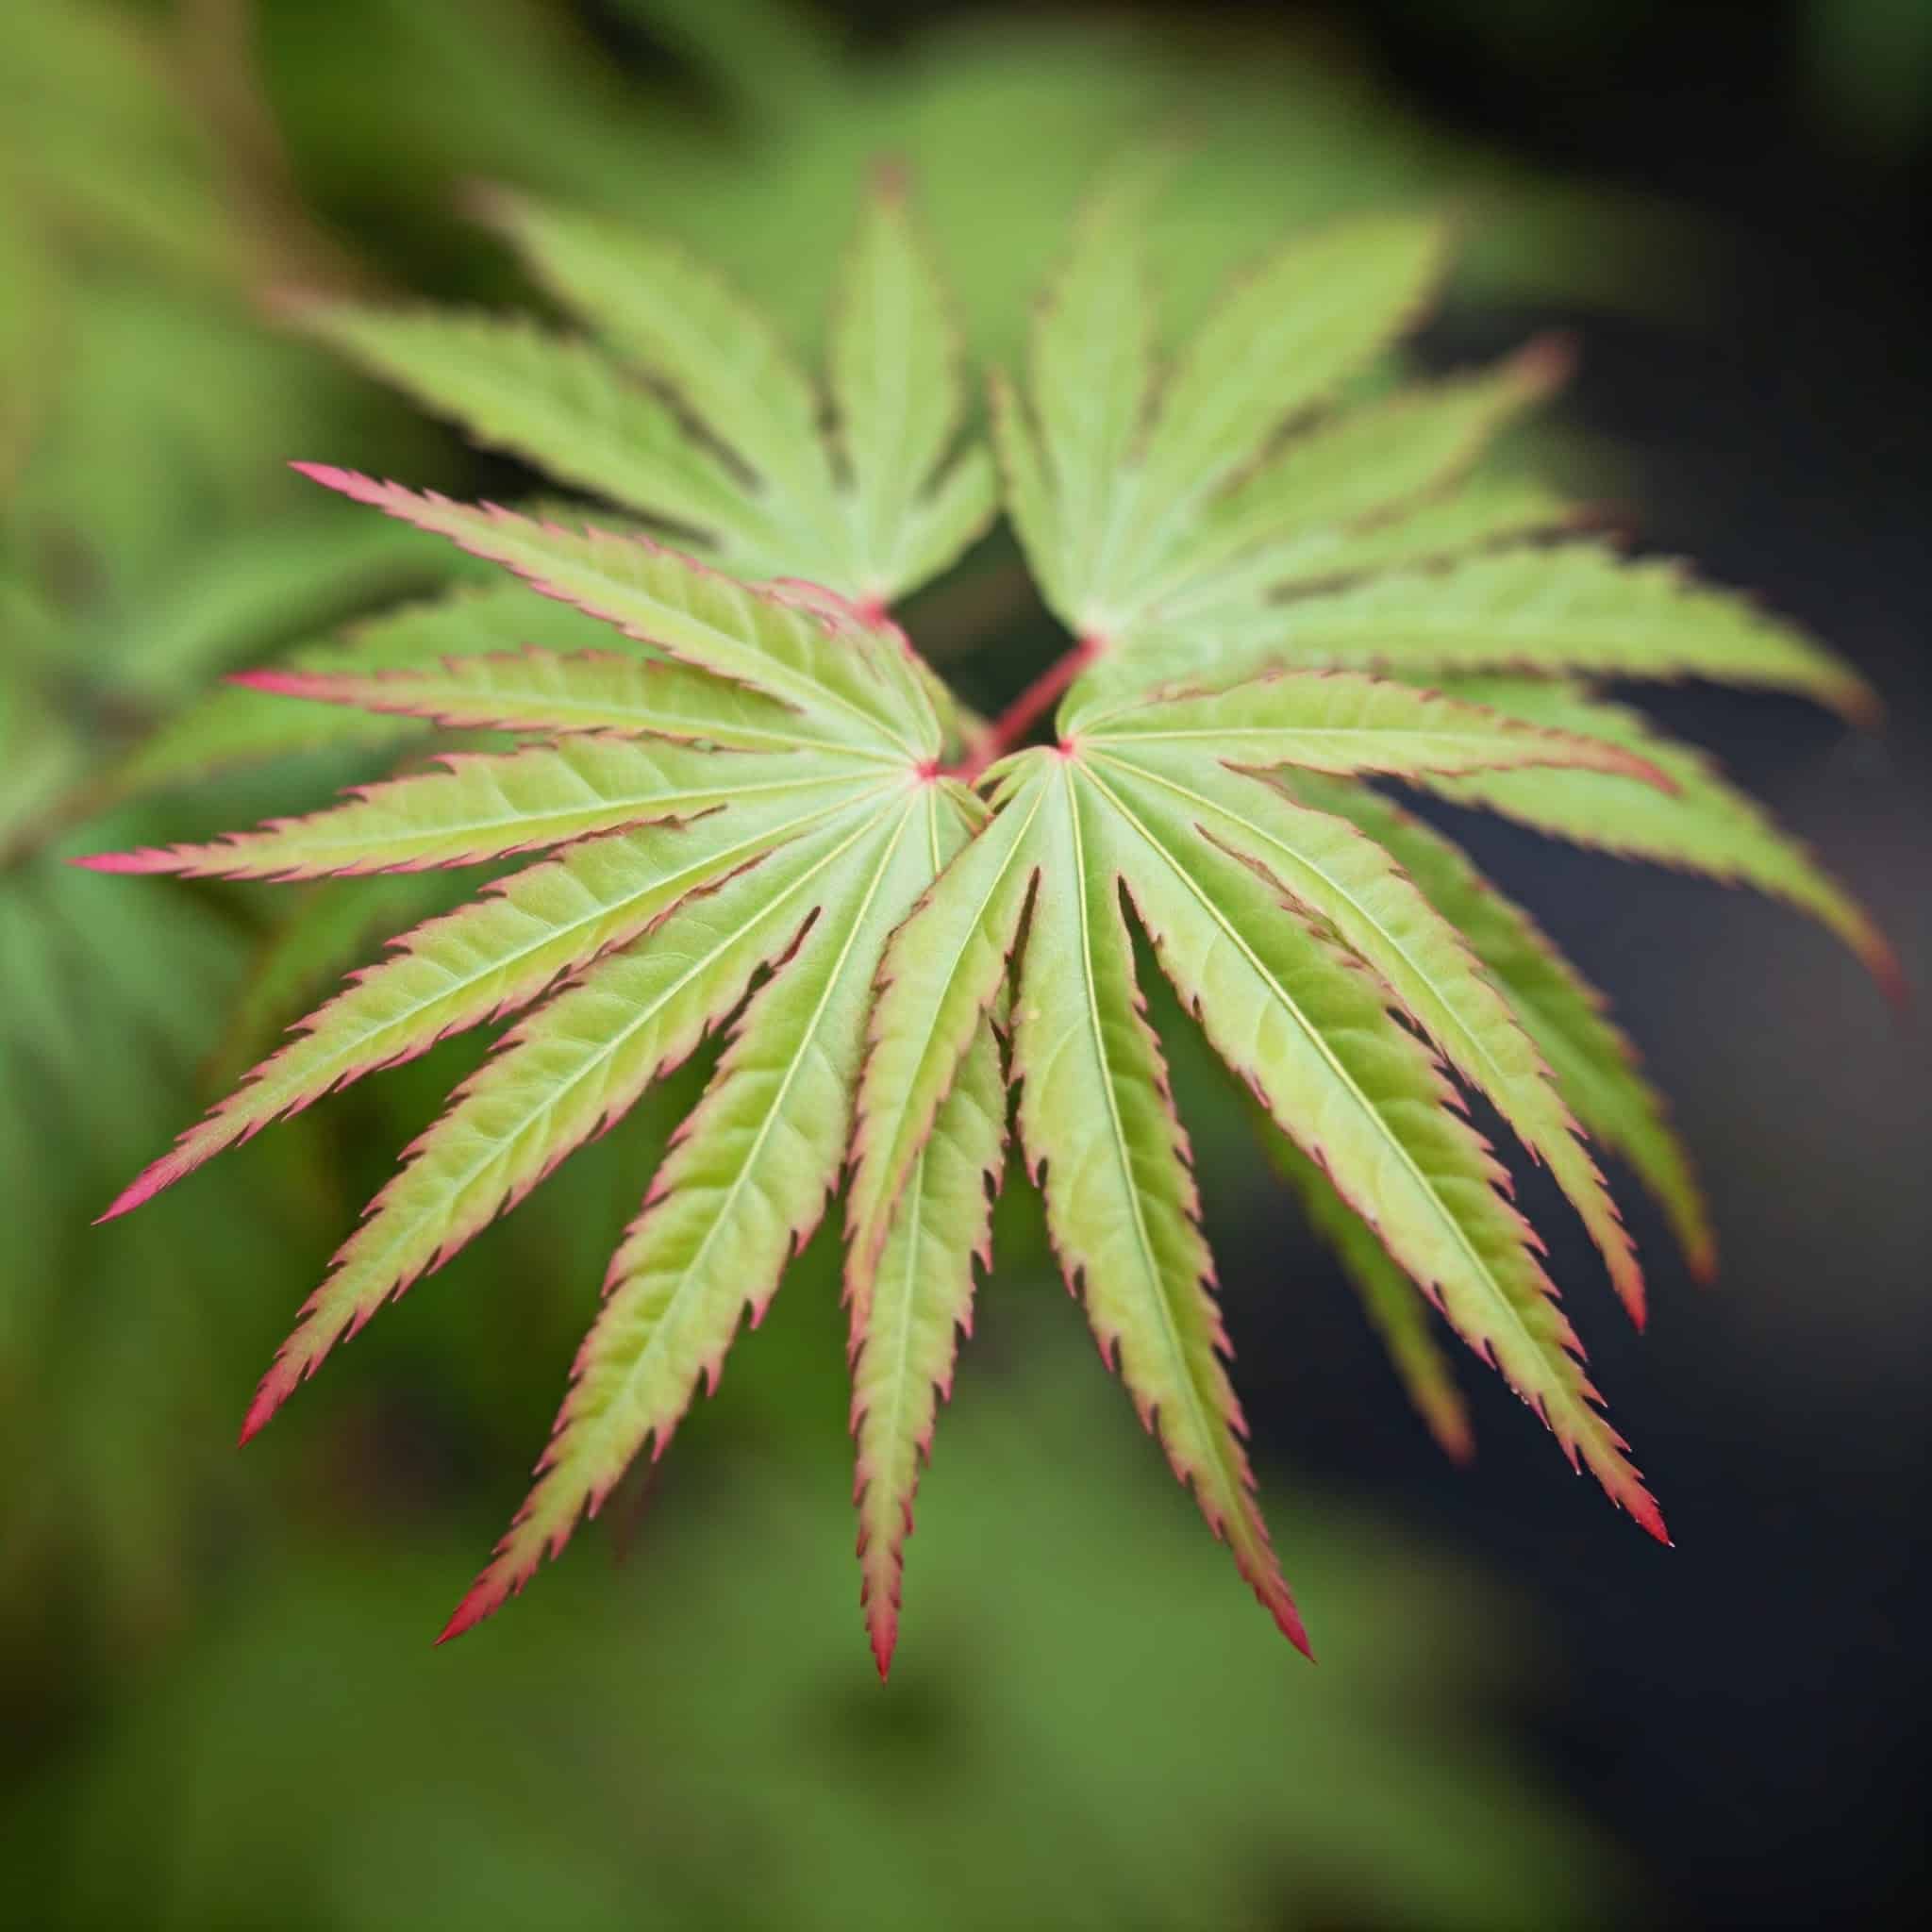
(732, 798)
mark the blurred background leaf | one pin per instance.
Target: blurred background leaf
(1090, 1736)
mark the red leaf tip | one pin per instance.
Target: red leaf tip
(1883, 964)
(483, 1599)
(461, 1619)
(1645, 1512)
(1287, 1620)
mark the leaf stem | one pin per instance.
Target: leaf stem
(1020, 715)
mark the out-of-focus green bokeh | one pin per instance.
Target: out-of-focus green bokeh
(222, 1706)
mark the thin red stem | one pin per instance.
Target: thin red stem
(1019, 718)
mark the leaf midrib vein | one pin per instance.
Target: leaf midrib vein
(1204, 1424)
(661, 806)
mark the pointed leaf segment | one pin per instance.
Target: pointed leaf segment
(909, 1278)
(485, 807)
(486, 960)
(1111, 1160)
(904, 1333)
(537, 691)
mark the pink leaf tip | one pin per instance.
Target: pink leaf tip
(149, 1182)
(274, 1389)
(884, 1628)
(277, 682)
(149, 858)
(349, 482)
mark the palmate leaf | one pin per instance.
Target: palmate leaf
(1309, 1029)
(756, 812)
(1305, 558)
(1186, 543)
(759, 791)
(870, 511)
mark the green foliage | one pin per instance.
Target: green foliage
(149, 536)
(1868, 65)
(675, 1730)
(767, 818)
